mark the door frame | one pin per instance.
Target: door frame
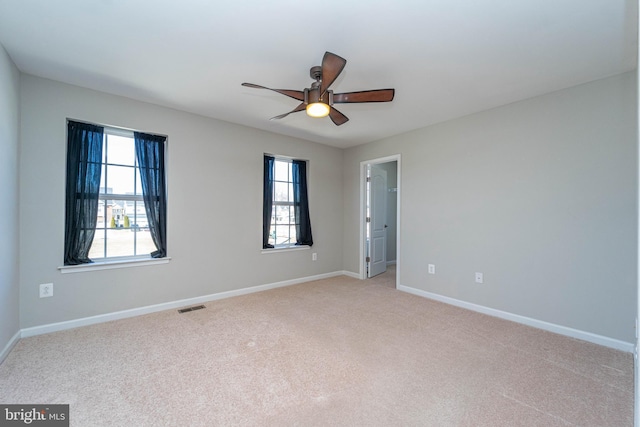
(363, 220)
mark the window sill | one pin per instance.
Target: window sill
(109, 265)
(285, 249)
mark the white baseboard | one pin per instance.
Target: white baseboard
(7, 348)
(350, 274)
(551, 327)
(92, 320)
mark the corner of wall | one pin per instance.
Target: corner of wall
(9, 199)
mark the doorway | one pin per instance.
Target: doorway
(380, 193)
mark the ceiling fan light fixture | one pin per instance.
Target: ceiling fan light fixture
(318, 109)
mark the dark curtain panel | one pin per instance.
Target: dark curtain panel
(267, 197)
(301, 203)
(150, 155)
(84, 165)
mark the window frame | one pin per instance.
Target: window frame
(117, 197)
(280, 203)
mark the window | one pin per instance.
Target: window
(286, 210)
(115, 194)
(122, 227)
(283, 219)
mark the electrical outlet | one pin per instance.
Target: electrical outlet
(46, 290)
(314, 256)
(479, 278)
(432, 269)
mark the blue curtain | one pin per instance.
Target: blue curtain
(150, 155)
(301, 203)
(84, 165)
(267, 197)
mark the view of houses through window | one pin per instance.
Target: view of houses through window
(122, 228)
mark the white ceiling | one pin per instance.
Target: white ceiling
(445, 58)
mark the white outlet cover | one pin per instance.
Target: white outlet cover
(432, 269)
(479, 278)
(46, 290)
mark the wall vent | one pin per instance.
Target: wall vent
(188, 309)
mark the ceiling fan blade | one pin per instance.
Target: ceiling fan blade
(378, 95)
(295, 94)
(295, 110)
(337, 117)
(332, 66)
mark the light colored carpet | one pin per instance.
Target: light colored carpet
(332, 352)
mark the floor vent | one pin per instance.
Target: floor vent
(195, 307)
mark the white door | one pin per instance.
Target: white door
(378, 221)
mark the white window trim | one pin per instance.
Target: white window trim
(113, 264)
(127, 133)
(280, 249)
(290, 247)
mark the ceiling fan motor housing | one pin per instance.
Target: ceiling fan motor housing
(312, 95)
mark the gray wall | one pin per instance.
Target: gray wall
(214, 212)
(9, 127)
(539, 195)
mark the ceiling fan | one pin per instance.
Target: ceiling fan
(318, 100)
